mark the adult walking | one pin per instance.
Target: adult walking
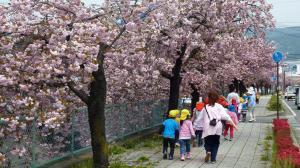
(251, 103)
(211, 115)
(233, 95)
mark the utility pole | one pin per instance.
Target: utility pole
(283, 68)
(277, 89)
(277, 57)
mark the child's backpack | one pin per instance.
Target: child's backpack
(234, 103)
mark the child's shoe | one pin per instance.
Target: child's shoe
(165, 156)
(188, 155)
(170, 157)
(230, 139)
(207, 157)
(182, 157)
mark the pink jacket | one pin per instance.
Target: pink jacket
(233, 117)
(186, 130)
(219, 113)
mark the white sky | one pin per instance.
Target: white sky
(286, 12)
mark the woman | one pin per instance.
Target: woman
(211, 115)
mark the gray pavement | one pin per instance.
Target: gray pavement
(293, 116)
(244, 151)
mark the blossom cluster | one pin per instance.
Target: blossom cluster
(286, 151)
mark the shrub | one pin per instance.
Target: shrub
(272, 104)
(286, 154)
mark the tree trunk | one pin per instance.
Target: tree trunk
(96, 113)
(175, 80)
(195, 98)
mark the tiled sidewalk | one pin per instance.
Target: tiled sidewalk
(243, 152)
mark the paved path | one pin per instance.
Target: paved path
(243, 152)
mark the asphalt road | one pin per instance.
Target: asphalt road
(292, 105)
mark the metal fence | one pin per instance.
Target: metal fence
(42, 145)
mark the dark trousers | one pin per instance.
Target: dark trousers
(166, 143)
(199, 137)
(244, 113)
(211, 144)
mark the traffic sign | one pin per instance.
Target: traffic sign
(277, 56)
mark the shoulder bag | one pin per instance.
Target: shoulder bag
(212, 122)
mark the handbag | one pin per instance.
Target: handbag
(212, 122)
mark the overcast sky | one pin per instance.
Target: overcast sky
(286, 12)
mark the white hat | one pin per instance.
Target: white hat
(251, 91)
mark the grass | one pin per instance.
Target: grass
(269, 137)
(88, 163)
(150, 142)
(128, 145)
(272, 104)
(267, 146)
(143, 159)
(116, 163)
(119, 164)
(116, 149)
(264, 158)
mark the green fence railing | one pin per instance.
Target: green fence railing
(42, 145)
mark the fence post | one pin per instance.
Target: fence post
(72, 132)
(33, 145)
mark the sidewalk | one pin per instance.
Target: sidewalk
(244, 151)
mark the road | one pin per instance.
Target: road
(291, 104)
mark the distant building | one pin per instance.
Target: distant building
(290, 70)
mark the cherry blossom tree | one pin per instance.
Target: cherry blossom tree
(201, 34)
(56, 51)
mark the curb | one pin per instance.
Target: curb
(293, 123)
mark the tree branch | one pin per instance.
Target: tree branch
(165, 75)
(92, 17)
(59, 8)
(80, 93)
(122, 30)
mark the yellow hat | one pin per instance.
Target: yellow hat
(184, 114)
(242, 100)
(173, 113)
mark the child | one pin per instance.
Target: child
(236, 110)
(240, 108)
(244, 108)
(198, 124)
(170, 130)
(228, 126)
(185, 134)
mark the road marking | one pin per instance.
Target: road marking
(291, 110)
